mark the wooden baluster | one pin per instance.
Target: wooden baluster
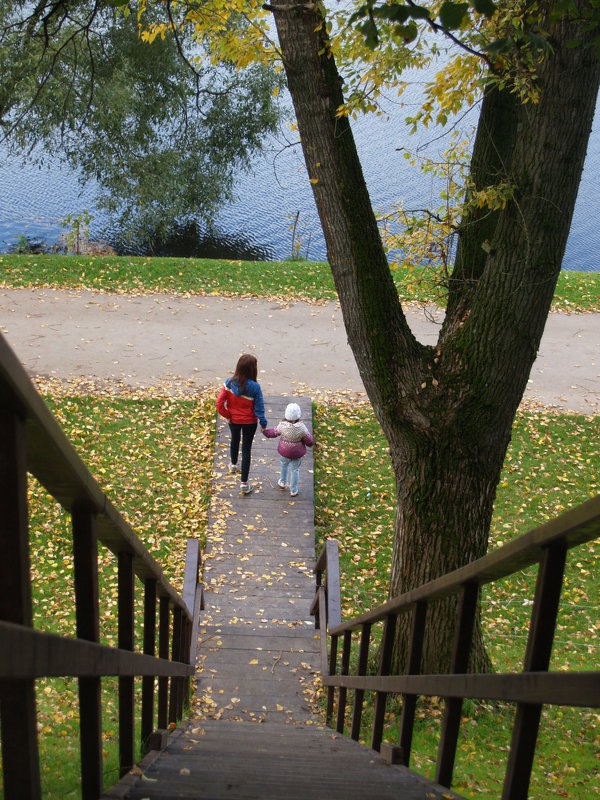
(341, 714)
(126, 694)
(318, 584)
(409, 701)
(359, 694)
(537, 658)
(149, 649)
(174, 701)
(387, 648)
(463, 638)
(332, 671)
(185, 653)
(163, 652)
(17, 699)
(85, 567)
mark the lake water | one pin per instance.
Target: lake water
(33, 200)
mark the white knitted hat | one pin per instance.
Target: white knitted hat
(292, 412)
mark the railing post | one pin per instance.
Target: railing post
(359, 694)
(185, 650)
(332, 671)
(537, 658)
(20, 756)
(345, 665)
(163, 652)
(387, 649)
(126, 631)
(463, 638)
(409, 701)
(174, 699)
(149, 649)
(85, 569)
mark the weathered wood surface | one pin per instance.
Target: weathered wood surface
(221, 759)
(257, 648)
(255, 733)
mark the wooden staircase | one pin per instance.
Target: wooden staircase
(254, 732)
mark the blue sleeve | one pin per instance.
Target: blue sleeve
(259, 407)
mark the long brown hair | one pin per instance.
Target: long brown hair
(247, 367)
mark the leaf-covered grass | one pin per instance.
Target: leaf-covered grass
(553, 463)
(153, 456)
(290, 280)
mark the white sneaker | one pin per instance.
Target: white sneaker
(245, 488)
(282, 485)
(233, 468)
(293, 494)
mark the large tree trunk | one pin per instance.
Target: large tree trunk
(447, 411)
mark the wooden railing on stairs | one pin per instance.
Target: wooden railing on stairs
(31, 441)
(530, 690)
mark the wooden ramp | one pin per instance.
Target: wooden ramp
(254, 732)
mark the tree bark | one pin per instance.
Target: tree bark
(447, 410)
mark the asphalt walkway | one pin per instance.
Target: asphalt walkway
(193, 342)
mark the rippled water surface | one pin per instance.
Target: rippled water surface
(258, 224)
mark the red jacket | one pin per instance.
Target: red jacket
(243, 409)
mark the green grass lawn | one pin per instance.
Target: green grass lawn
(296, 280)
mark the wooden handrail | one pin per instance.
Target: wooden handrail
(574, 527)
(28, 653)
(31, 441)
(531, 689)
(55, 463)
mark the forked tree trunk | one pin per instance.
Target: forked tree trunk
(447, 410)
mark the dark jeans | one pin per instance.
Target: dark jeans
(246, 432)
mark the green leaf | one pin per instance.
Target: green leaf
(538, 42)
(394, 12)
(486, 7)
(369, 31)
(452, 14)
(407, 32)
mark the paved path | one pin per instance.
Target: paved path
(158, 340)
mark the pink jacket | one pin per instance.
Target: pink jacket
(295, 438)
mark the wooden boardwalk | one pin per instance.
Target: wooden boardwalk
(254, 732)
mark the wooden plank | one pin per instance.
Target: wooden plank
(385, 663)
(163, 652)
(344, 667)
(363, 659)
(463, 637)
(580, 689)
(537, 657)
(176, 694)
(190, 579)
(148, 682)
(334, 601)
(87, 619)
(17, 701)
(240, 760)
(28, 653)
(126, 633)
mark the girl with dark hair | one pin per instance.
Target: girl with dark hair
(240, 401)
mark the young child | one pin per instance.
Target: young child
(295, 438)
